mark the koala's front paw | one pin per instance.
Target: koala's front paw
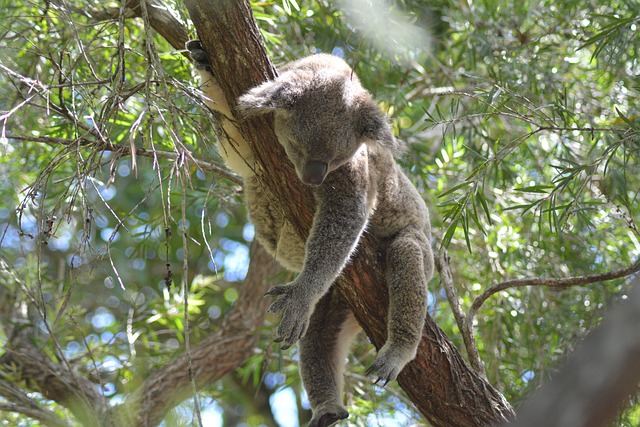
(389, 362)
(296, 311)
(199, 56)
(328, 415)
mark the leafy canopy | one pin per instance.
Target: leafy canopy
(524, 139)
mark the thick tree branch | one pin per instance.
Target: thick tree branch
(22, 357)
(23, 404)
(445, 390)
(212, 358)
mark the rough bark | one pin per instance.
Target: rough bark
(443, 388)
(53, 380)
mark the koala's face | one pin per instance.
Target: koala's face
(322, 115)
(318, 134)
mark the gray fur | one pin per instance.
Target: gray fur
(342, 146)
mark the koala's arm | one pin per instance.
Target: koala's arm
(341, 216)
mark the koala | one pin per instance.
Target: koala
(343, 148)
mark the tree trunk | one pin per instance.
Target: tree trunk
(441, 385)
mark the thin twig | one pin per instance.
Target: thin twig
(442, 264)
(126, 150)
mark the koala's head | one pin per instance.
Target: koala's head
(322, 115)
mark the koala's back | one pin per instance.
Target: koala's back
(319, 64)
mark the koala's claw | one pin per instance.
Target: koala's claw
(276, 291)
(295, 315)
(199, 56)
(328, 415)
(389, 362)
(386, 374)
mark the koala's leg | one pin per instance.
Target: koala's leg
(409, 267)
(214, 97)
(232, 147)
(323, 352)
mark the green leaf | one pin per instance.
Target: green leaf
(455, 188)
(544, 189)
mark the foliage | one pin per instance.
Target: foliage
(523, 137)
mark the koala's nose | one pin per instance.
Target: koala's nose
(314, 173)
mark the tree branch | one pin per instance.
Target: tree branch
(125, 150)
(597, 378)
(444, 270)
(22, 357)
(558, 283)
(465, 322)
(161, 19)
(23, 404)
(219, 353)
(216, 355)
(212, 358)
(53, 380)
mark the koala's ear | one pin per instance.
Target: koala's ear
(269, 97)
(372, 124)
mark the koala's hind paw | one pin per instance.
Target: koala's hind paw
(389, 363)
(199, 56)
(328, 415)
(296, 312)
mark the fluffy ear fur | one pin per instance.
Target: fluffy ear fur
(372, 124)
(267, 98)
